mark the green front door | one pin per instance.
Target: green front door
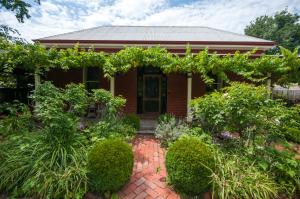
(151, 93)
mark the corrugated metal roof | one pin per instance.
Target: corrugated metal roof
(154, 33)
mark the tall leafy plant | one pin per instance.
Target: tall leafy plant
(111, 104)
(245, 109)
(242, 103)
(236, 177)
(52, 163)
(208, 111)
(18, 118)
(77, 99)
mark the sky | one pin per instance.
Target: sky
(60, 16)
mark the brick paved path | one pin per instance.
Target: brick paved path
(148, 179)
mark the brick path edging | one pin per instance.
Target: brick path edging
(149, 174)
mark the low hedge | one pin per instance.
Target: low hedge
(293, 135)
(110, 164)
(133, 120)
(189, 165)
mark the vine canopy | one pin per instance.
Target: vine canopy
(284, 68)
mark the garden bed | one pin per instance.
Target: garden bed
(252, 138)
(241, 144)
(44, 153)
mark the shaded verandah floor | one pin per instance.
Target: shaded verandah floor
(148, 179)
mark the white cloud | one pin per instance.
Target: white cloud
(136, 9)
(54, 17)
(49, 7)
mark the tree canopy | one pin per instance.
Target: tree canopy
(21, 10)
(19, 7)
(283, 28)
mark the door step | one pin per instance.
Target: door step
(149, 132)
(147, 126)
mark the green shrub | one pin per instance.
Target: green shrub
(112, 104)
(234, 108)
(122, 130)
(246, 109)
(189, 163)
(208, 111)
(49, 163)
(235, 177)
(283, 166)
(169, 130)
(33, 165)
(199, 133)
(243, 101)
(293, 135)
(133, 120)
(110, 164)
(112, 128)
(18, 119)
(77, 98)
(165, 118)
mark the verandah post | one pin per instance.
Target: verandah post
(37, 78)
(269, 84)
(112, 85)
(189, 96)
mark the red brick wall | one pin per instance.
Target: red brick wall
(235, 77)
(126, 85)
(104, 82)
(61, 77)
(177, 94)
(198, 86)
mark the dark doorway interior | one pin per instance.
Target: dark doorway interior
(151, 91)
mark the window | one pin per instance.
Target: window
(217, 85)
(91, 78)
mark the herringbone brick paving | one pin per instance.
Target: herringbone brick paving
(148, 179)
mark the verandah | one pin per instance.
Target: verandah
(280, 69)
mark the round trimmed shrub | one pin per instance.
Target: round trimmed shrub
(110, 164)
(189, 164)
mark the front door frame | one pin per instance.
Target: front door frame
(158, 98)
(141, 72)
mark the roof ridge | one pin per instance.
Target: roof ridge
(239, 34)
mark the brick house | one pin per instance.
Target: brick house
(147, 90)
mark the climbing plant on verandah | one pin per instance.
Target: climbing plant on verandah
(283, 68)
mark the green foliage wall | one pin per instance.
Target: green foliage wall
(246, 109)
(284, 69)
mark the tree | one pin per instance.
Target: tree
(283, 28)
(20, 8)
